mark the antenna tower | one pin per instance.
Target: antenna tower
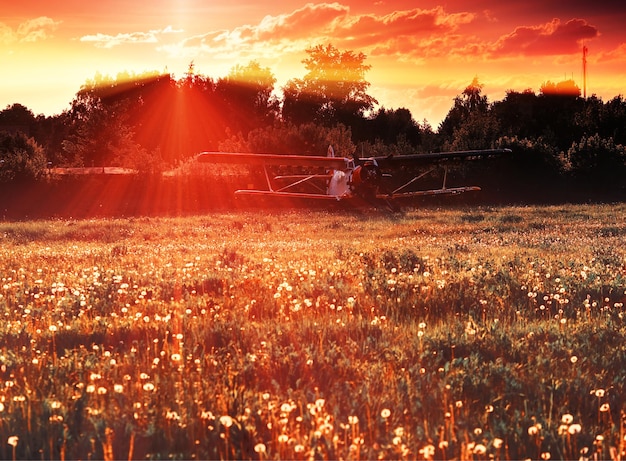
(585, 50)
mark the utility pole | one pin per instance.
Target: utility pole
(585, 50)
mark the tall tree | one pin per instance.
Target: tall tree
(334, 89)
(470, 124)
(470, 101)
(247, 93)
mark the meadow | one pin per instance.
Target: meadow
(440, 333)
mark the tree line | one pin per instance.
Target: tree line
(152, 122)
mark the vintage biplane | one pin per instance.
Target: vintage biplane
(334, 178)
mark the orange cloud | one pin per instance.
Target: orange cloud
(388, 31)
(109, 41)
(617, 54)
(552, 38)
(414, 33)
(29, 31)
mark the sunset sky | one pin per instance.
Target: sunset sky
(422, 53)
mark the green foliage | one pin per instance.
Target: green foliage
(21, 158)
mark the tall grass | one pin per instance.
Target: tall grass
(439, 334)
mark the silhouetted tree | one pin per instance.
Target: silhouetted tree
(247, 95)
(516, 114)
(556, 105)
(470, 101)
(21, 158)
(613, 124)
(391, 125)
(287, 138)
(333, 90)
(99, 135)
(599, 162)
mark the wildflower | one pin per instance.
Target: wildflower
(497, 443)
(118, 388)
(604, 407)
(545, 455)
(567, 418)
(428, 452)
(574, 429)
(353, 419)
(226, 421)
(480, 449)
(385, 413)
(260, 448)
(283, 438)
(13, 440)
(148, 387)
(573, 359)
(599, 393)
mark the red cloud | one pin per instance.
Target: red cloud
(399, 26)
(310, 19)
(552, 38)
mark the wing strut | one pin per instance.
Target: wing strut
(416, 178)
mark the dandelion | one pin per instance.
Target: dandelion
(497, 443)
(118, 388)
(480, 449)
(545, 455)
(283, 438)
(604, 407)
(226, 421)
(573, 359)
(260, 448)
(148, 387)
(574, 429)
(599, 393)
(567, 419)
(385, 413)
(13, 440)
(353, 419)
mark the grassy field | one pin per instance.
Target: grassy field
(478, 333)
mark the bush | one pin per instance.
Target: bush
(21, 158)
(305, 139)
(599, 161)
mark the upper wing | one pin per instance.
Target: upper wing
(435, 157)
(273, 159)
